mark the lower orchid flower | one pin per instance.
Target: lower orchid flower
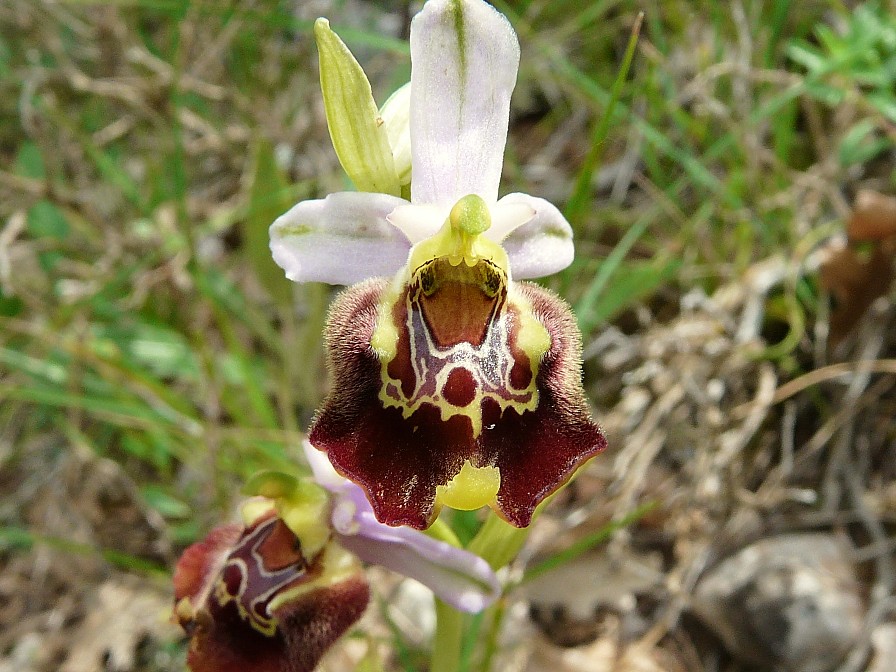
(452, 384)
(253, 598)
(273, 594)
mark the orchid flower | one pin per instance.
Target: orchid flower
(258, 597)
(452, 383)
(276, 592)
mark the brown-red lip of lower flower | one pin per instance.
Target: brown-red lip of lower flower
(400, 460)
(239, 596)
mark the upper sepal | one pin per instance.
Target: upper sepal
(464, 60)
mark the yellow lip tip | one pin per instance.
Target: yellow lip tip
(471, 488)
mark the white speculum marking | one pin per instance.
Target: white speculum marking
(489, 365)
(276, 580)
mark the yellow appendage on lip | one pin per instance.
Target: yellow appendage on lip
(471, 488)
(533, 338)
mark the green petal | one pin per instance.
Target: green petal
(357, 131)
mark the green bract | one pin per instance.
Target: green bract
(357, 131)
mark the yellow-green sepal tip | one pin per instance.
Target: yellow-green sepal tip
(271, 484)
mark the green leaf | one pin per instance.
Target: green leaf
(10, 306)
(587, 543)
(16, 537)
(578, 200)
(827, 94)
(861, 143)
(359, 137)
(784, 131)
(153, 447)
(603, 298)
(122, 413)
(885, 102)
(836, 46)
(631, 283)
(109, 163)
(29, 162)
(155, 348)
(45, 220)
(42, 368)
(247, 379)
(165, 503)
(806, 55)
(5, 58)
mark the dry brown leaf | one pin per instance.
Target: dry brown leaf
(873, 217)
(854, 274)
(855, 281)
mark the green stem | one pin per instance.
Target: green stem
(449, 636)
(490, 648)
(498, 542)
(442, 531)
(446, 647)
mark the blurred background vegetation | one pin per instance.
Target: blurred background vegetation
(148, 341)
